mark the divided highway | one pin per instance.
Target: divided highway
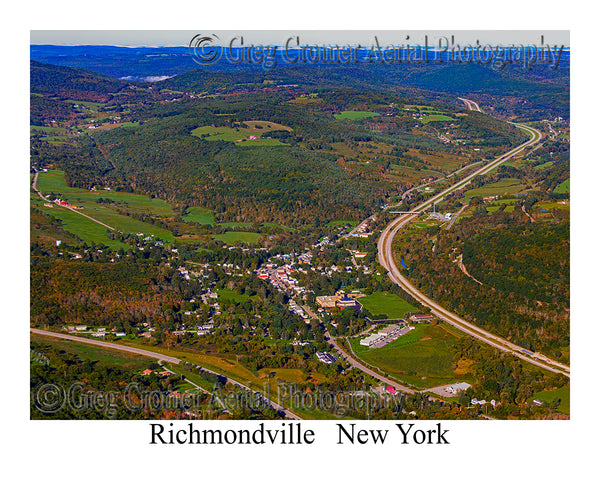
(386, 259)
(159, 357)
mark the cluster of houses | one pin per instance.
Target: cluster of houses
(325, 357)
(362, 231)
(62, 203)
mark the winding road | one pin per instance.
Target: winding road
(386, 259)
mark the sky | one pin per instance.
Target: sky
(307, 37)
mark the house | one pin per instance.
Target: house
(420, 318)
(457, 387)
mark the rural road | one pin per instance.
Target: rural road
(34, 187)
(160, 357)
(353, 361)
(386, 259)
(366, 370)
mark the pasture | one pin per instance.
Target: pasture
(353, 115)
(234, 237)
(423, 357)
(247, 134)
(505, 186)
(385, 303)
(200, 215)
(86, 229)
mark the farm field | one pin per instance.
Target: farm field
(352, 115)
(384, 303)
(338, 223)
(506, 186)
(200, 215)
(84, 228)
(564, 187)
(436, 118)
(233, 237)
(563, 394)
(552, 206)
(53, 181)
(424, 357)
(240, 135)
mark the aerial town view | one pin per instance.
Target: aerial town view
(274, 228)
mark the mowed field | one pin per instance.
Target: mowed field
(385, 303)
(436, 118)
(89, 231)
(562, 394)
(505, 186)
(200, 215)
(235, 237)
(240, 135)
(352, 115)
(564, 187)
(423, 358)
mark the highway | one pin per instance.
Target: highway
(159, 357)
(471, 104)
(386, 259)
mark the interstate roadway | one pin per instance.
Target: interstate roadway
(386, 259)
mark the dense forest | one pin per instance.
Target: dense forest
(519, 275)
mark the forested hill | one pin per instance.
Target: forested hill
(71, 82)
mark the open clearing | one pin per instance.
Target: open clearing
(563, 394)
(436, 118)
(248, 134)
(505, 186)
(352, 115)
(234, 237)
(384, 303)
(564, 187)
(106, 212)
(200, 215)
(423, 357)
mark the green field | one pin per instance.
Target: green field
(494, 208)
(240, 135)
(505, 186)
(542, 166)
(337, 223)
(562, 393)
(423, 357)
(436, 118)
(233, 237)
(384, 303)
(352, 115)
(200, 215)
(552, 206)
(87, 230)
(104, 356)
(564, 187)
(84, 228)
(231, 295)
(35, 130)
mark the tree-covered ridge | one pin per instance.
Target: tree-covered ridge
(522, 267)
(531, 261)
